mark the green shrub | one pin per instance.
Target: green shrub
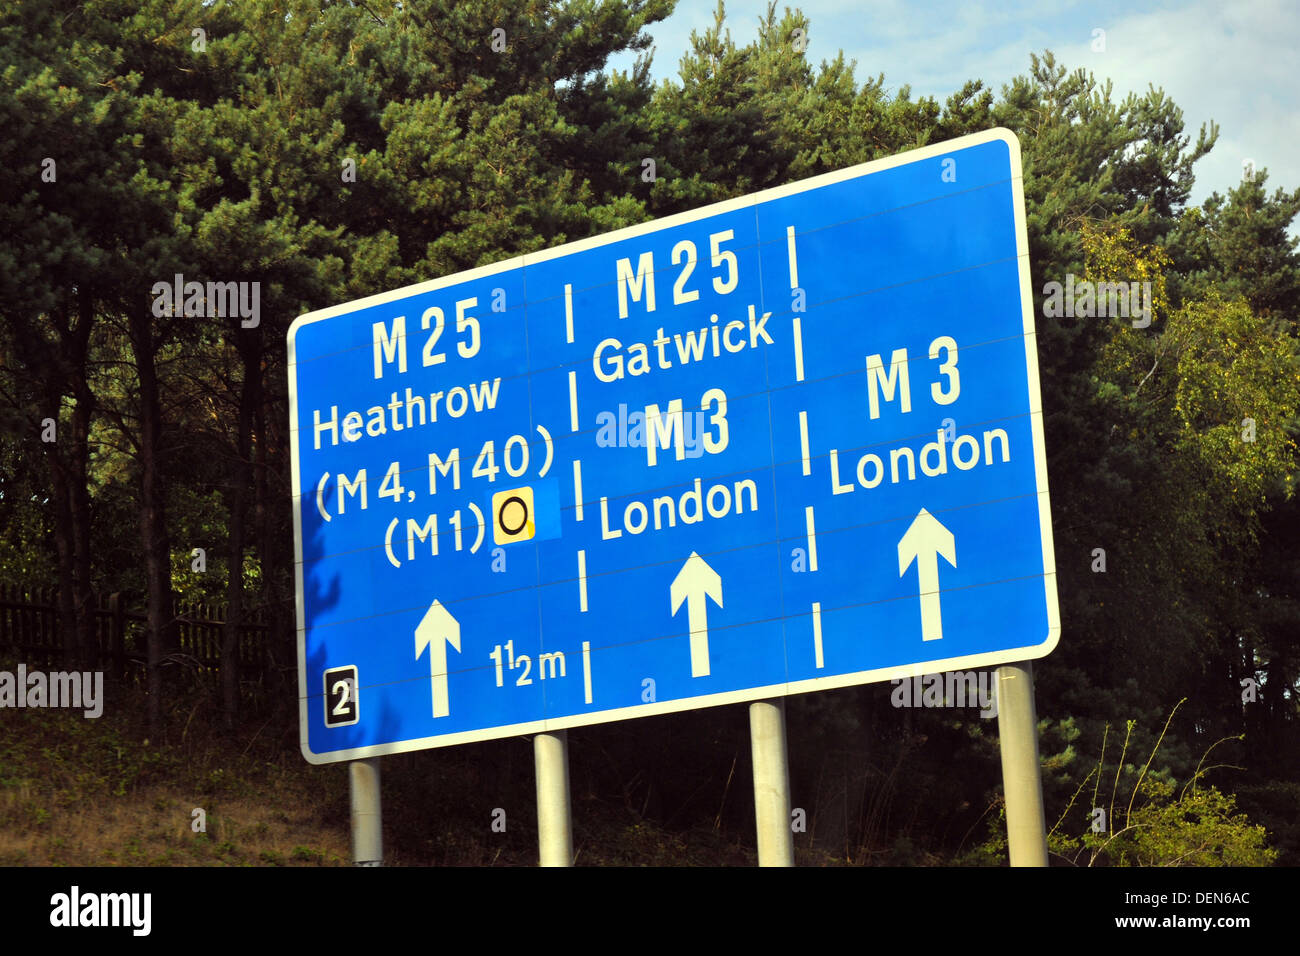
(1159, 825)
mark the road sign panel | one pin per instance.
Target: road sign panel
(787, 442)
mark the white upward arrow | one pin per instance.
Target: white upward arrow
(436, 631)
(694, 582)
(924, 541)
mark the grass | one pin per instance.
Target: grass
(80, 792)
(97, 793)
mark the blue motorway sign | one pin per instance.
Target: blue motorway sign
(787, 442)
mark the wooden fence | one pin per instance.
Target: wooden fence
(29, 632)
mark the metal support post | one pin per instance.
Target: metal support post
(554, 814)
(367, 821)
(771, 783)
(1021, 775)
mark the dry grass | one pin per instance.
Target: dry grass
(79, 792)
(154, 827)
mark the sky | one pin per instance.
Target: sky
(1237, 63)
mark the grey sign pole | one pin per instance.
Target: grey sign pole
(771, 783)
(554, 815)
(1021, 774)
(367, 822)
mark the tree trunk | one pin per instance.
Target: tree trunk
(65, 601)
(78, 492)
(60, 367)
(153, 513)
(250, 397)
(234, 591)
(270, 557)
